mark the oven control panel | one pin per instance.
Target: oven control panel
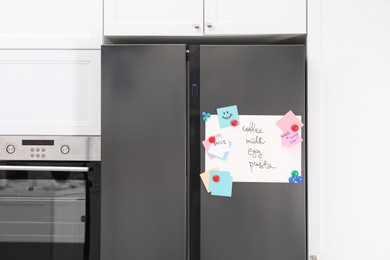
(50, 148)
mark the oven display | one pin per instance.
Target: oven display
(37, 142)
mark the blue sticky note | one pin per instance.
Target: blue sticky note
(222, 187)
(226, 115)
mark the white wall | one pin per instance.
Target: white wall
(349, 116)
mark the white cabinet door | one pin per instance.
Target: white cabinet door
(348, 105)
(49, 24)
(153, 17)
(246, 17)
(50, 92)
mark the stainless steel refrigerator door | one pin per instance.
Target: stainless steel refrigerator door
(261, 220)
(143, 152)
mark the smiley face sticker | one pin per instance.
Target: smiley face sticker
(228, 116)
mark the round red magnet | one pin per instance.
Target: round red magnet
(294, 128)
(216, 178)
(211, 139)
(234, 122)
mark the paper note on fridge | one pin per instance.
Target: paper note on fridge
(226, 115)
(205, 176)
(258, 153)
(290, 139)
(206, 144)
(222, 186)
(219, 147)
(289, 120)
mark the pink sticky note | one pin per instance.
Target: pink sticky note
(290, 139)
(287, 121)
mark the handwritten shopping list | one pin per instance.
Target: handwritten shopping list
(257, 154)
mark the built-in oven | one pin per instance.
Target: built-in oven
(50, 198)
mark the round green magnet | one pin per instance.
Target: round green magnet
(208, 115)
(205, 119)
(294, 173)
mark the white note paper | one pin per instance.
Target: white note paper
(219, 147)
(257, 153)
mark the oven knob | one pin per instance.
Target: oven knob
(10, 149)
(65, 149)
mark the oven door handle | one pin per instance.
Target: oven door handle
(43, 168)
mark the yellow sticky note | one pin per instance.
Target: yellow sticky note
(205, 176)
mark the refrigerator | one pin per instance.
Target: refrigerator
(154, 205)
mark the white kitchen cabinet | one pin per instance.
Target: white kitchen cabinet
(348, 111)
(50, 92)
(153, 17)
(208, 17)
(251, 17)
(48, 24)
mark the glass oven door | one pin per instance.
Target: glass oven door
(43, 212)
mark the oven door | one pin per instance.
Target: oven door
(43, 212)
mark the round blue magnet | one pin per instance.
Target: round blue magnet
(292, 179)
(204, 114)
(299, 179)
